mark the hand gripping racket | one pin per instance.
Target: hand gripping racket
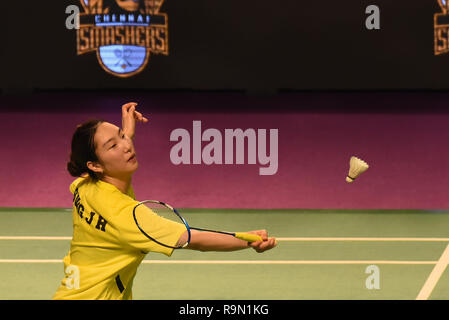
(141, 218)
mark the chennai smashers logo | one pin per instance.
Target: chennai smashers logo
(123, 33)
(441, 28)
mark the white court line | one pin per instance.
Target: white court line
(242, 261)
(361, 239)
(279, 239)
(284, 262)
(33, 238)
(434, 276)
(30, 260)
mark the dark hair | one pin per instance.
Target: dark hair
(83, 149)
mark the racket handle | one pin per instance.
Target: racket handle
(248, 237)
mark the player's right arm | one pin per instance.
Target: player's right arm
(212, 241)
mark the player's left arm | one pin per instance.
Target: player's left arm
(129, 118)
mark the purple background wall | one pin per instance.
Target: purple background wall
(402, 136)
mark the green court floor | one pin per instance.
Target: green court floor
(322, 254)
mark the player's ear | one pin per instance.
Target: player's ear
(94, 166)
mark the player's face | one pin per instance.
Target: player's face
(115, 151)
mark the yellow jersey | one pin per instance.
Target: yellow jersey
(107, 246)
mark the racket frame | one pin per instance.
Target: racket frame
(170, 208)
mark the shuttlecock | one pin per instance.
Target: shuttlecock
(356, 167)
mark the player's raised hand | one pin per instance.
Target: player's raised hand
(265, 244)
(129, 118)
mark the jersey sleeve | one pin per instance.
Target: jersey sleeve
(159, 228)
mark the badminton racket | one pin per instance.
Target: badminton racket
(143, 218)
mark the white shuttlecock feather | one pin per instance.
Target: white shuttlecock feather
(356, 167)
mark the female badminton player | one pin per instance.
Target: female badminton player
(107, 247)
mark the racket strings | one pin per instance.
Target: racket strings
(144, 219)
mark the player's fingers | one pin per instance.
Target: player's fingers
(255, 243)
(265, 244)
(127, 106)
(262, 233)
(127, 110)
(139, 116)
(269, 244)
(261, 246)
(273, 242)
